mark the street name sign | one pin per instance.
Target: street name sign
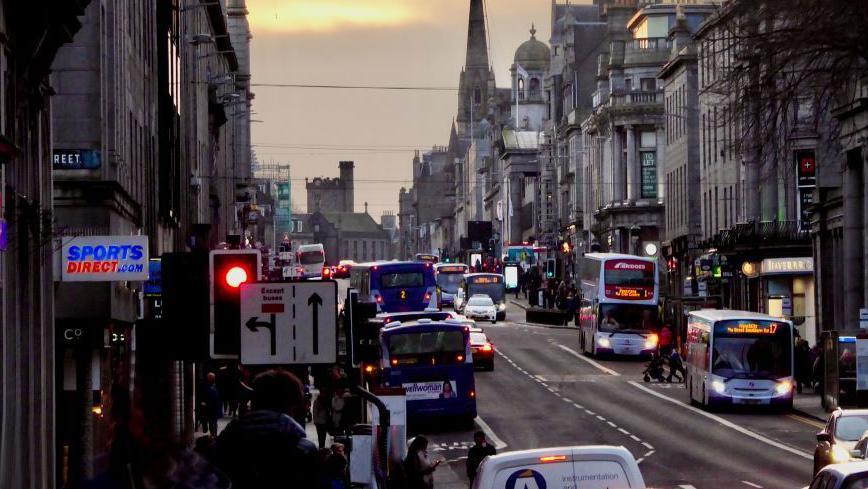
(289, 323)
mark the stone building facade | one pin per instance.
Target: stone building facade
(331, 194)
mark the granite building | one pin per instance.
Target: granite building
(331, 194)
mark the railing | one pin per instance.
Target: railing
(751, 232)
(637, 98)
(530, 95)
(651, 44)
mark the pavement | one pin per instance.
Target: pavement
(543, 393)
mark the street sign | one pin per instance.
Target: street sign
(289, 323)
(863, 318)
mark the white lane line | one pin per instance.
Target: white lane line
(613, 425)
(578, 406)
(636, 438)
(622, 430)
(686, 486)
(566, 400)
(489, 433)
(601, 418)
(647, 445)
(540, 377)
(726, 423)
(748, 483)
(590, 412)
(650, 452)
(640, 460)
(586, 359)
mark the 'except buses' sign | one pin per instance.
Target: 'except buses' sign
(104, 258)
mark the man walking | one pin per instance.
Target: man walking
(266, 448)
(478, 451)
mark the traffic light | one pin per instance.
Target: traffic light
(185, 306)
(550, 268)
(364, 331)
(228, 271)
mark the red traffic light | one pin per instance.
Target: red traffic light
(236, 276)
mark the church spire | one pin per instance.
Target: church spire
(477, 45)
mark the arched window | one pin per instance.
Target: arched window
(477, 96)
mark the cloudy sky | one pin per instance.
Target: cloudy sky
(368, 42)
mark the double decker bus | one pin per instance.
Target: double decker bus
(396, 286)
(491, 284)
(448, 277)
(433, 362)
(619, 312)
(739, 358)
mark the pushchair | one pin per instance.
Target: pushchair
(654, 369)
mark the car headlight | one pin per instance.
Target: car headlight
(604, 342)
(840, 454)
(651, 341)
(718, 386)
(501, 306)
(784, 387)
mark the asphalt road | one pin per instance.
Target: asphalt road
(542, 394)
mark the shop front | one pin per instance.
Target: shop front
(787, 286)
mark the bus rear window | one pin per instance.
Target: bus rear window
(426, 343)
(310, 257)
(401, 280)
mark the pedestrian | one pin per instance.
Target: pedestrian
(665, 340)
(676, 366)
(266, 448)
(802, 361)
(322, 413)
(418, 468)
(339, 401)
(477, 453)
(211, 407)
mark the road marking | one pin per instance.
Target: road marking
(650, 452)
(589, 412)
(601, 418)
(586, 359)
(640, 460)
(613, 425)
(748, 483)
(724, 422)
(647, 445)
(622, 430)
(540, 377)
(807, 421)
(686, 486)
(489, 433)
(635, 438)
(578, 406)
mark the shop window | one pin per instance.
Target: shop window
(799, 299)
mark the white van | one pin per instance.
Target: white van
(311, 259)
(581, 467)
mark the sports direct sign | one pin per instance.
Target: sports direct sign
(105, 259)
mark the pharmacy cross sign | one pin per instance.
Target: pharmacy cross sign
(289, 323)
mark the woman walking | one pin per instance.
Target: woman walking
(418, 467)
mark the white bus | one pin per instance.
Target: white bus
(310, 259)
(739, 358)
(619, 312)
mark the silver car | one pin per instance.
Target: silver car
(481, 307)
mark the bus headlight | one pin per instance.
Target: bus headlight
(604, 342)
(783, 387)
(651, 341)
(718, 386)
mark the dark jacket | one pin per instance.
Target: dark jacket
(267, 450)
(475, 456)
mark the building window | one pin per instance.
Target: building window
(477, 96)
(648, 84)
(355, 250)
(364, 250)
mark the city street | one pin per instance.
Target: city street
(544, 394)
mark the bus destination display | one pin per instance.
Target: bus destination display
(493, 279)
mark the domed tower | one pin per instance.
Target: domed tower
(531, 61)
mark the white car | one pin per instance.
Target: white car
(853, 475)
(481, 307)
(587, 467)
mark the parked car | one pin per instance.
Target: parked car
(550, 467)
(481, 306)
(841, 476)
(838, 439)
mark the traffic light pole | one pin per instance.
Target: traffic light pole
(383, 436)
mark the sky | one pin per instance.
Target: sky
(418, 43)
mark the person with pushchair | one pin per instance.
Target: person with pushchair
(654, 369)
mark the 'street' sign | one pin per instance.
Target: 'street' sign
(104, 258)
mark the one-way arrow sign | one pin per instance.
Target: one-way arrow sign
(254, 325)
(301, 318)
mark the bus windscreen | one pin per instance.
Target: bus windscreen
(491, 287)
(422, 347)
(628, 318)
(449, 281)
(751, 349)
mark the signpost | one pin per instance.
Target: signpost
(289, 323)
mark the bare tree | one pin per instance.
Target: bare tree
(778, 65)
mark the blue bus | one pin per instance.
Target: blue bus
(396, 286)
(433, 362)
